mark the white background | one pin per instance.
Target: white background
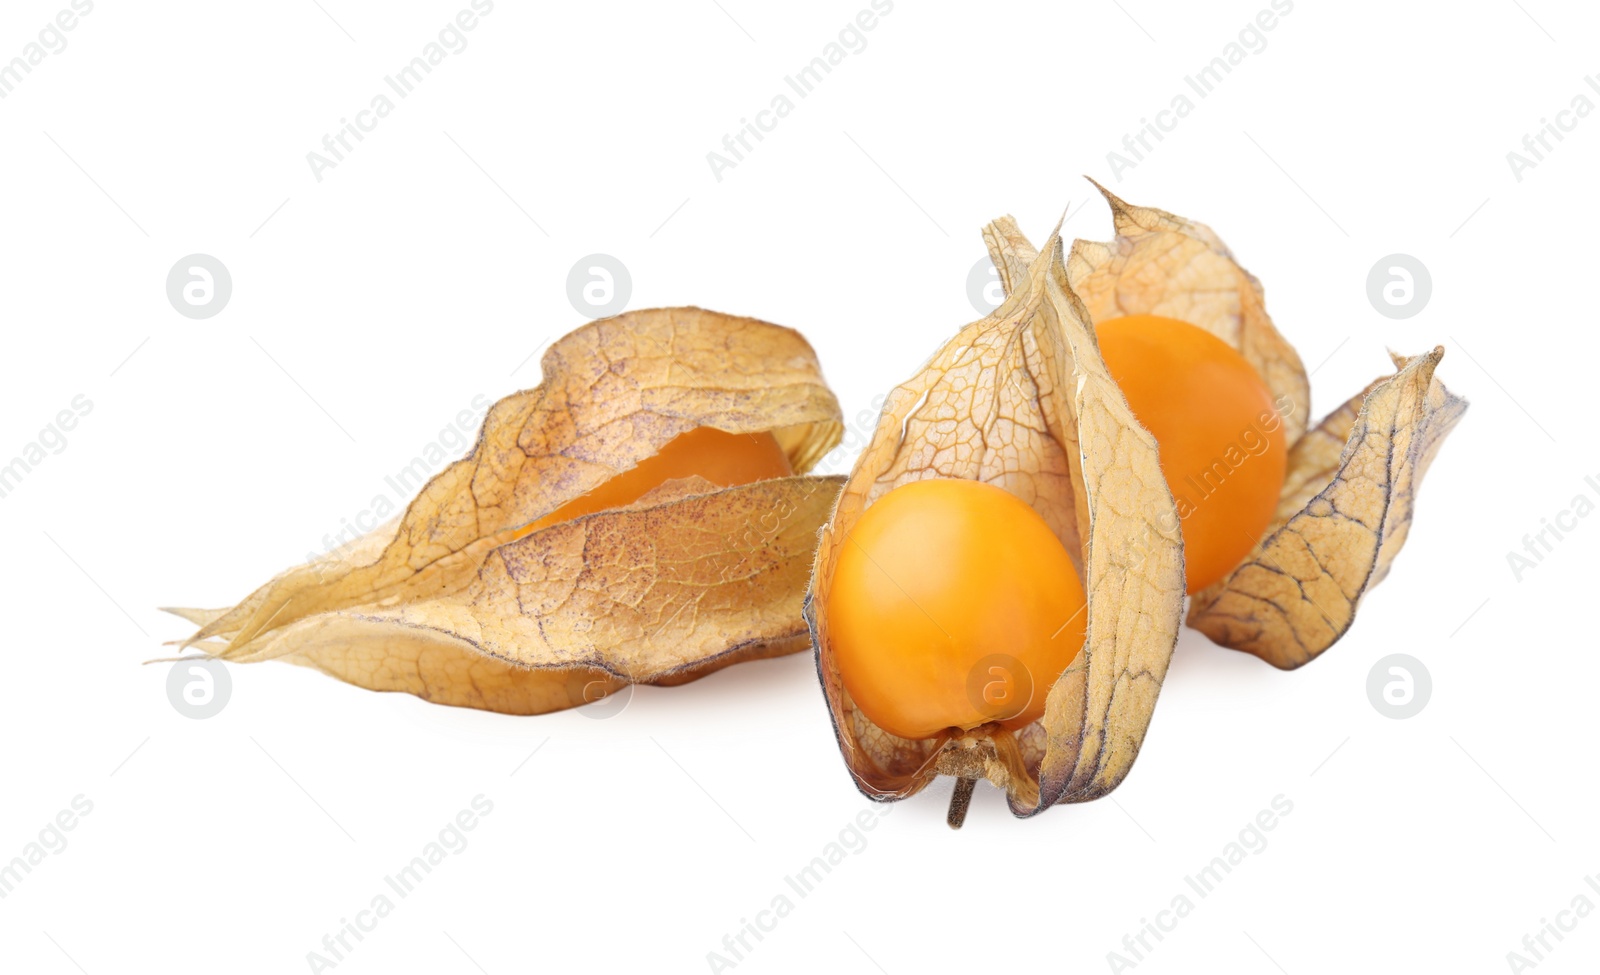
(372, 306)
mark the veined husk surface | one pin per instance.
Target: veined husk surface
(1022, 400)
(447, 602)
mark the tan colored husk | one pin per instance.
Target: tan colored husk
(1348, 496)
(1343, 518)
(1022, 400)
(447, 603)
(1162, 264)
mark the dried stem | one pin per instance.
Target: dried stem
(960, 799)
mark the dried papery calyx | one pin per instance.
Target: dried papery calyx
(1012, 439)
(1344, 515)
(1349, 482)
(642, 516)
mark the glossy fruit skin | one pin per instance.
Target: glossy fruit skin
(724, 459)
(1219, 430)
(952, 604)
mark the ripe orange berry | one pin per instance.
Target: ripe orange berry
(952, 605)
(1220, 434)
(724, 459)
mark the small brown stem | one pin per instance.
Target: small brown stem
(960, 799)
